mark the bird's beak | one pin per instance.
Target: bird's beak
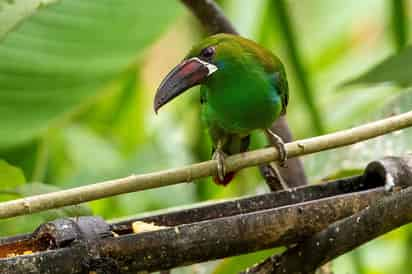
(187, 74)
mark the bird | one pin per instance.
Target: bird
(243, 88)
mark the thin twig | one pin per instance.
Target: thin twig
(189, 173)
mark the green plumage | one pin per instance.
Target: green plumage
(243, 88)
(248, 92)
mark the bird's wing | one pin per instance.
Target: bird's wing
(273, 67)
(281, 85)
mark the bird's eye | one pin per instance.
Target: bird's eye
(208, 52)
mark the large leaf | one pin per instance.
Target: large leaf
(395, 69)
(60, 57)
(13, 12)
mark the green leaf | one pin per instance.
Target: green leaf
(395, 69)
(13, 12)
(10, 176)
(60, 58)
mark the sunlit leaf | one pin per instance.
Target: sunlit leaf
(10, 176)
(13, 12)
(58, 59)
(395, 69)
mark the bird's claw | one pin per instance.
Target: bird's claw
(220, 156)
(280, 146)
(282, 154)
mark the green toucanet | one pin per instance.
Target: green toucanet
(243, 88)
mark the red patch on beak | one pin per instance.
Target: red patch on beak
(184, 76)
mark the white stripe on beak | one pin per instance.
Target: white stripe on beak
(210, 67)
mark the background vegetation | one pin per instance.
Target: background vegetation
(77, 80)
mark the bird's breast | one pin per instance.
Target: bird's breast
(241, 104)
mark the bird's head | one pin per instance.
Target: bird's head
(202, 63)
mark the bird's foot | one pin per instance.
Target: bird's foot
(280, 145)
(220, 156)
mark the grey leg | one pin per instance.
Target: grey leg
(280, 145)
(220, 156)
(282, 182)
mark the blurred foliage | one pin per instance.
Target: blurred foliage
(280, 16)
(61, 57)
(13, 12)
(395, 69)
(77, 80)
(400, 26)
(10, 176)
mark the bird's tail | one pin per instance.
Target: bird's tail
(228, 177)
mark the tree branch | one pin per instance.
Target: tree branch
(234, 235)
(271, 200)
(210, 16)
(343, 236)
(221, 229)
(189, 173)
(179, 244)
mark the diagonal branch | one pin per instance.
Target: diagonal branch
(210, 16)
(343, 236)
(179, 244)
(189, 173)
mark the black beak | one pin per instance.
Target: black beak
(187, 74)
